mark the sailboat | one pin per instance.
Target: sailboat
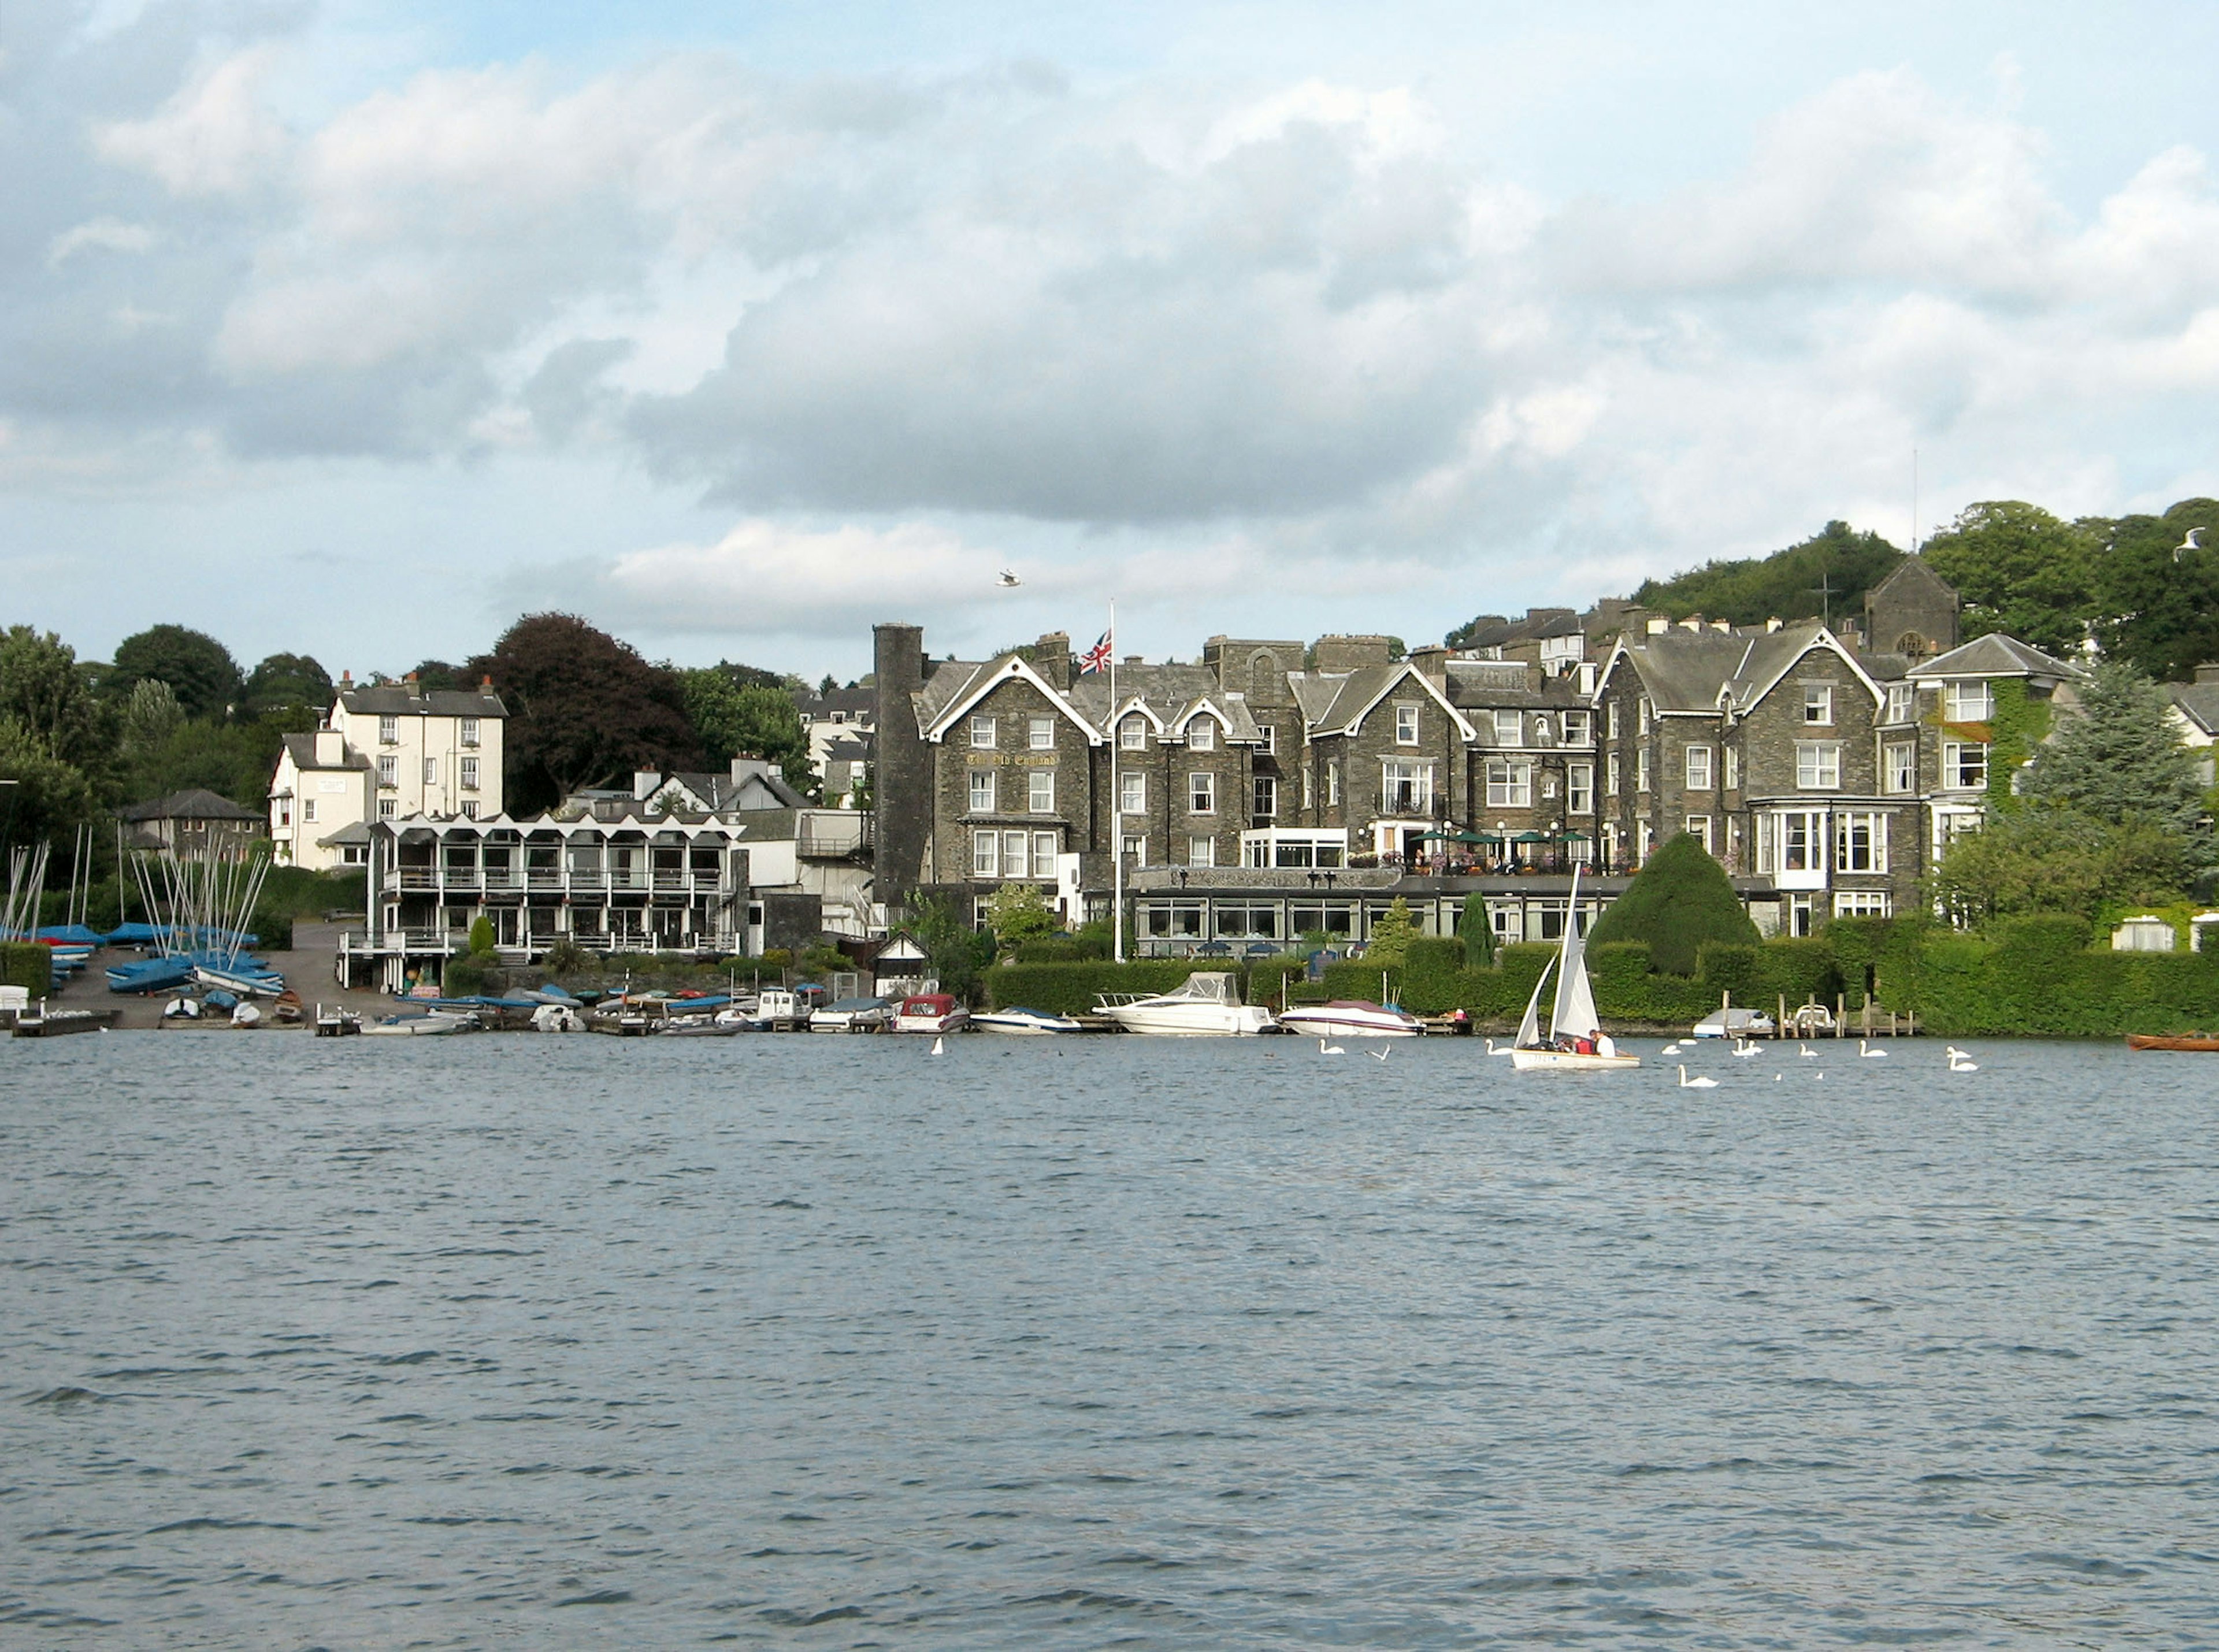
(1576, 1042)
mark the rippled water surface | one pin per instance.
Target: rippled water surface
(556, 1341)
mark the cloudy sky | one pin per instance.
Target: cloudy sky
(359, 327)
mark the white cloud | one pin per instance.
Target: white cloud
(98, 234)
(213, 137)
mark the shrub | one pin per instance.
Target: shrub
(26, 964)
(1679, 900)
(1070, 989)
(1476, 931)
(470, 976)
(482, 934)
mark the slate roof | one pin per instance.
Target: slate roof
(1997, 656)
(2198, 703)
(1171, 692)
(355, 831)
(393, 700)
(302, 747)
(1683, 670)
(721, 792)
(192, 803)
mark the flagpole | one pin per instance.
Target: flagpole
(1116, 805)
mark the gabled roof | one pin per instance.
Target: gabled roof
(301, 748)
(395, 700)
(1996, 655)
(981, 681)
(1696, 673)
(1911, 570)
(1361, 690)
(355, 831)
(1773, 656)
(716, 793)
(195, 803)
(2198, 703)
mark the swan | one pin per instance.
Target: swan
(1745, 1050)
(1869, 1053)
(1806, 1051)
(1958, 1063)
(939, 1046)
(1672, 1048)
(1491, 1050)
(1325, 1048)
(1687, 1083)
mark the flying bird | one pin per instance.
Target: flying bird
(1382, 1054)
(1008, 577)
(2188, 543)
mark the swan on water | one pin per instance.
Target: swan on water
(1687, 1083)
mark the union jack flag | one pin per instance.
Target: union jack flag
(1097, 657)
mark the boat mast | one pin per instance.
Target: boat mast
(1116, 805)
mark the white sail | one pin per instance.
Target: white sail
(1575, 1015)
(1529, 1030)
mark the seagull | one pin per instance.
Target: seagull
(939, 1047)
(1381, 1053)
(1869, 1053)
(1687, 1083)
(1325, 1048)
(2188, 543)
(1008, 578)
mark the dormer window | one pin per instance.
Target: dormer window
(1201, 734)
(1406, 725)
(1507, 729)
(1133, 734)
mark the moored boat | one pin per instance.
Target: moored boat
(1206, 1004)
(1351, 1018)
(1018, 1019)
(2192, 1043)
(929, 1012)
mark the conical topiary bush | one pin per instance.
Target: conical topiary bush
(1679, 900)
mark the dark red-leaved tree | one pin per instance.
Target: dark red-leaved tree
(584, 710)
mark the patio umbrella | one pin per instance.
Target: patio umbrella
(1530, 837)
(1573, 837)
(1477, 837)
(1438, 834)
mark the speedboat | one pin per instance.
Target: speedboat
(930, 1012)
(558, 1018)
(852, 1016)
(423, 1023)
(1018, 1019)
(1206, 1004)
(1576, 1042)
(334, 1021)
(1735, 1024)
(701, 1024)
(1351, 1018)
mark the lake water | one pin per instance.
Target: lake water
(554, 1342)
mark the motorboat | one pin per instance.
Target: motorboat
(334, 1021)
(423, 1023)
(930, 1012)
(1576, 1041)
(1206, 1004)
(1018, 1019)
(1351, 1018)
(701, 1024)
(558, 1018)
(852, 1016)
(1730, 1022)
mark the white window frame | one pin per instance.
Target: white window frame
(470, 807)
(1579, 729)
(1817, 766)
(1201, 734)
(469, 773)
(1040, 734)
(1045, 845)
(1406, 725)
(982, 732)
(1133, 734)
(1899, 768)
(1016, 855)
(1698, 767)
(982, 792)
(1968, 699)
(389, 808)
(1132, 792)
(1818, 705)
(1579, 788)
(430, 771)
(1803, 836)
(1264, 799)
(1040, 791)
(1862, 904)
(1610, 774)
(1870, 857)
(1332, 783)
(469, 731)
(1729, 762)
(1271, 733)
(1200, 793)
(308, 813)
(1902, 703)
(388, 770)
(1699, 827)
(1641, 769)
(1395, 772)
(1610, 721)
(1136, 848)
(1509, 785)
(1953, 765)
(1200, 851)
(1510, 730)
(388, 730)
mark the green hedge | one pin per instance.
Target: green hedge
(1069, 989)
(26, 964)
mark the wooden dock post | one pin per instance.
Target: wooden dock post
(1779, 1027)
(1841, 1015)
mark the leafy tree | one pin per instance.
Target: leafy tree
(192, 662)
(953, 951)
(441, 674)
(736, 719)
(2119, 760)
(1787, 585)
(584, 709)
(292, 686)
(1392, 932)
(42, 688)
(1677, 902)
(234, 760)
(1476, 930)
(2157, 606)
(2057, 859)
(50, 798)
(2021, 571)
(1018, 912)
(150, 717)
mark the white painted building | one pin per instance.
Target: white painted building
(387, 751)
